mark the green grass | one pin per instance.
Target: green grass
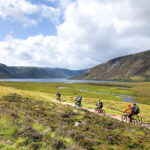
(53, 88)
(41, 124)
(141, 90)
(112, 104)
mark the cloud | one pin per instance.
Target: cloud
(40, 51)
(50, 13)
(23, 12)
(93, 32)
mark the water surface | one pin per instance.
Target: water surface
(124, 98)
(59, 80)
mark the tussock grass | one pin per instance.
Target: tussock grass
(38, 124)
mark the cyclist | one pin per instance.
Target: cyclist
(135, 109)
(78, 100)
(58, 95)
(99, 105)
(129, 112)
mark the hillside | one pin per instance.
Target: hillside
(5, 72)
(30, 124)
(134, 67)
(37, 72)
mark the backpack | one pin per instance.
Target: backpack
(136, 109)
(58, 94)
(100, 104)
(79, 98)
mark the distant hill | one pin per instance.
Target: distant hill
(134, 67)
(37, 72)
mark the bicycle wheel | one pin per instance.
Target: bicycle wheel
(96, 110)
(140, 121)
(134, 121)
(103, 112)
(76, 104)
(58, 98)
(80, 105)
(124, 118)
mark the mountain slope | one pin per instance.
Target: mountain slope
(134, 67)
(37, 72)
(5, 72)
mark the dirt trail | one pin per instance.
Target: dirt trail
(147, 125)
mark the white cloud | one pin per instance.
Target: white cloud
(22, 11)
(50, 13)
(93, 31)
(41, 51)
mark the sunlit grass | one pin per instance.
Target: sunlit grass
(140, 90)
(40, 123)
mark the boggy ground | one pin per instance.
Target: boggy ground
(32, 124)
(141, 90)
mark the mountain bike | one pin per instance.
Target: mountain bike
(78, 104)
(124, 117)
(100, 110)
(58, 98)
(136, 119)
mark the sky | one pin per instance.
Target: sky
(73, 34)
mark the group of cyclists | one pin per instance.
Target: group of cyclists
(130, 110)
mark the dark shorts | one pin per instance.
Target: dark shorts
(130, 115)
(100, 107)
(135, 113)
